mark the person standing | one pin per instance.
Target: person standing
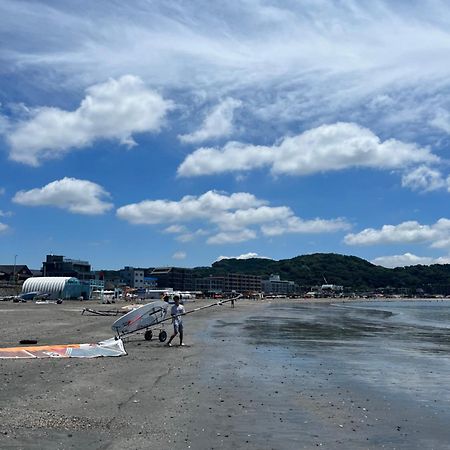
(176, 312)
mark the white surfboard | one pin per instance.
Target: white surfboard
(140, 318)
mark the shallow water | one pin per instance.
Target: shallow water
(345, 376)
(399, 347)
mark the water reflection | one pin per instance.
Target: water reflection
(420, 327)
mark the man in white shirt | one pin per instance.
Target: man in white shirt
(177, 321)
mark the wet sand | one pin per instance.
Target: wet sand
(237, 384)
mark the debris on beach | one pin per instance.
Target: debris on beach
(28, 341)
(110, 347)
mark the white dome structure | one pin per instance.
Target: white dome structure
(57, 287)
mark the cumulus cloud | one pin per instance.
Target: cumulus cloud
(187, 209)
(188, 236)
(408, 259)
(174, 229)
(249, 255)
(231, 218)
(218, 123)
(116, 109)
(179, 255)
(232, 237)
(424, 178)
(251, 216)
(3, 227)
(410, 232)
(326, 148)
(299, 226)
(76, 196)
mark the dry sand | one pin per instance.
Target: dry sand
(220, 391)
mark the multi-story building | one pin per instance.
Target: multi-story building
(210, 284)
(275, 286)
(133, 277)
(239, 282)
(177, 278)
(60, 266)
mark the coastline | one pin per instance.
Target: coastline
(223, 390)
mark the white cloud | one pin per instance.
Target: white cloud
(424, 178)
(218, 123)
(408, 259)
(115, 109)
(4, 124)
(251, 216)
(249, 255)
(441, 120)
(179, 255)
(3, 227)
(188, 236)
(187, 209)
(292, 59)
(231, 218)
(326, 148)
(5, 213)
(232, 237)
(299, 226)
(175, 229)
(77, 196)
(411, 232)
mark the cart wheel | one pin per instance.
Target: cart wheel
(148, 335)
(162, 336)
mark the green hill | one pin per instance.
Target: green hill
(349, 271)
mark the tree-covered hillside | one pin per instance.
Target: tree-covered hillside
(348, 271)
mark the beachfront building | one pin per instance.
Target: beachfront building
(275, 286)
(57, 287)
(150, 282)
(243, 283)
(133, 277)
(177, 278)
(331, 290)
(228, 283)
(210, 285)
(60, 266)
(14, 273)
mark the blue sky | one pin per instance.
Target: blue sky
(175, 133)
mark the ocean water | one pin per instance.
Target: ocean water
(399, 347)
(344, 376)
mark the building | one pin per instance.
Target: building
(60, 266)
(275, 286)
(14, 273)
(210, 284)
(57, 287)
(177, 278)
(132, 277)
(331, 290)
(242, 283)
(150, 282)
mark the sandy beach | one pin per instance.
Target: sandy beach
(238, 383)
